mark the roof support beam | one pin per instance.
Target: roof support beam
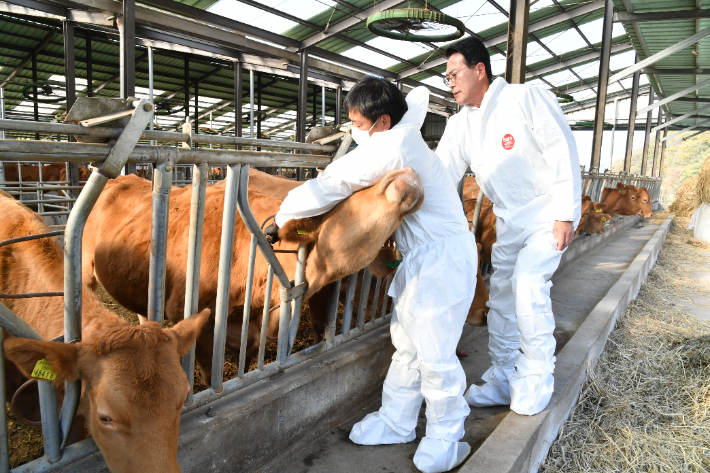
(574, 61)
(661, 16)
(632, 119)
(660, 55)
(609, 99)
(675, 72)
(603, 84)
(680, 118)
(675, 96)
(533, 27)
(45, 41)
(517, 41)
(684, 130)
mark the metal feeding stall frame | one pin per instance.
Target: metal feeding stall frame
(108, 161)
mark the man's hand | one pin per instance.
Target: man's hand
(272, 233)
(564, 234)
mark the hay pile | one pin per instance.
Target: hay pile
(702, 191)
(646, 405)
(685, 199)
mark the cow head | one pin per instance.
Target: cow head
(350, 236)
(645, 201)
(133, 387)
(587, 209)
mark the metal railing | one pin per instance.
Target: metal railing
(161, 160)
(49, 198)
(594, 183)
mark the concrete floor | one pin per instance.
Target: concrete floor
(699, 304)
(574, 294)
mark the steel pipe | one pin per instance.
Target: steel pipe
(226, 250)
(364, 292)
(162, 185)
(378, 286)
(4, 444)
(51, 433)
(194, 258)
(265, 317)
(349, 302)
(477, 211)
(247, 307)
(332, 317)
(603, 85)
(297, 303)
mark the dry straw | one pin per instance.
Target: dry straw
(703, 188)
(685, 198)
(646, 405)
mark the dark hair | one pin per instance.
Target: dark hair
(373, 97)
(474, 51)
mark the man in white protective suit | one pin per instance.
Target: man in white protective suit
(516, 140)
(434, 285)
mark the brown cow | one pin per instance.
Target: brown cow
(624, 200)
(133, 384)
(84, 174)
(345, 240)
(596, 220)
(279, 187)
(646, 204)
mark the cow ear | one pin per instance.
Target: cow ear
(385, 264)
(600, 207)
(54, 361)
(186, 331)
(301, 230)
(621, 187)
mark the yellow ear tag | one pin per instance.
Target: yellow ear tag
(597, 210)
(301, 232)
(603, 219)
(44, 370)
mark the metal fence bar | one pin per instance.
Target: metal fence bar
(386, 298)
(265, 316)
(51, 432)
(349, 301)
(378, 285)
(332, 318)
(4, 444)
(247, 307)
(297, 304)
(225, 271)
(162, 185)
(364, 292)
(194, 258)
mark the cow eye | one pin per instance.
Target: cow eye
(105, 419)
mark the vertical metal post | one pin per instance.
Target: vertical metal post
(338, 105)
(89, 66)
(657, 144)
(349, 300)
(70, 80)
(34, 93)
(632, 120)
(226, 250)
(162, 184)
(364, 292)
(322, 106)
(378, 286)
(302, 109)
(4, 445)
(251, 105)
(194, 259)
(51, 432)
(297, 303)
(613, 133)
(150, 89)
(247, 308)
(197, 107)
(186, 86)
(647, 135)
(517, 41)
(315, 111)
(127, 30)
(258, 107)
(265, 316)
(2, 117)
(332, 317)
(238, 100)
(602, 87)
(663, 154)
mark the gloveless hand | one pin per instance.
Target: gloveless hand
(564, 234)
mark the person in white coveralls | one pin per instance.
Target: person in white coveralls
(517, 142)
(434, 285)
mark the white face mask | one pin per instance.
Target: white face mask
(361, 136)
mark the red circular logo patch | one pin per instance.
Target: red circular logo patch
(508, 142)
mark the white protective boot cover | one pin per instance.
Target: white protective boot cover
(437, 456)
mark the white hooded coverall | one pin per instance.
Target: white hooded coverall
(432, 289)
(524, 155)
